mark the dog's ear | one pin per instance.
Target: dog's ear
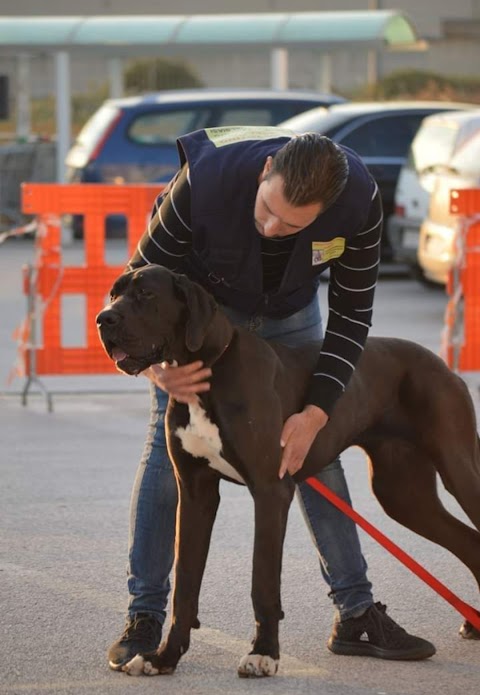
(201, 308)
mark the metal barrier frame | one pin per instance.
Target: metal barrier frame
(49, 279)
(461, 334)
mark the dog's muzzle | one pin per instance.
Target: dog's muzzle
(127, 358)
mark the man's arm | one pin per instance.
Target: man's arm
(353, 280)
(168, 237)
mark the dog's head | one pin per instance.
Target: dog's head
(153, 316)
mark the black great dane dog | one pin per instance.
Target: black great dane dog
(412, 416)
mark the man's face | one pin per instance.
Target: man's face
(274, 216)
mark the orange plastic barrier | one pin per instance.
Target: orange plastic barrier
(50, 279)
(462, 317)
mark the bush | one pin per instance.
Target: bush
(157, 74)
(85, 105)
(417, 84)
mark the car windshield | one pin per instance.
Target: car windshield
(432, 146)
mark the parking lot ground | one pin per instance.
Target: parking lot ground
(65, 484)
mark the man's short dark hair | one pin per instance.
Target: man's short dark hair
(314, 170)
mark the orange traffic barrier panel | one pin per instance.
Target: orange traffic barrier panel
(462, 317)
(51, 279)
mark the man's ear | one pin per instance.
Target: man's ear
(266, 169)
(201, 308)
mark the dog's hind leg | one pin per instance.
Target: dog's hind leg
(197, 507)
(404, 482)
(460, 473)
(272, 502)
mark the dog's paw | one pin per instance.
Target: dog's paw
(257, 666)
(149, 669)
(135, 666)
(467, 631)
(138, 665)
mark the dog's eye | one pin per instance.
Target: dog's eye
(146, 294)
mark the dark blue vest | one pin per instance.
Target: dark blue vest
(225, 164)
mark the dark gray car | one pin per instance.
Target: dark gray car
(380, 132)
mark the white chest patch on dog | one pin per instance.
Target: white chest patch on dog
(202, 438)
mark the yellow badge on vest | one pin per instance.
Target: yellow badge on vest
(325, 251)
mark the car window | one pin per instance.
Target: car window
(410, 161)
(154, 128)
(245, 116)
(383, 136)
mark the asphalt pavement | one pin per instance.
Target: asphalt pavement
(65, 483)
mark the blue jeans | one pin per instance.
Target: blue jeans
(154, 502)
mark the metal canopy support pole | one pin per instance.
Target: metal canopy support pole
(115, 76)
(279, 68)
(372, 66)
(32, 317)
(324, 73)
(372, 56)
(23, 97)
(63, 110)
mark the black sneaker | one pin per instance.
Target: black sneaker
(143, 633)
(375, 634)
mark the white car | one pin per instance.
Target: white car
(438, 233)
(436, 142)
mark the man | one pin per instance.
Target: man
(255, 215)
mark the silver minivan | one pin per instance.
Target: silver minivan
(436, 142)
(438, 233)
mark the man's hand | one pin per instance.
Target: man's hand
(182, 383)
(298, 434)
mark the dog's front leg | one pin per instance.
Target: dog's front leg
(197, 507)
(272, 502)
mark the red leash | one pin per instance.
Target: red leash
(468, 612)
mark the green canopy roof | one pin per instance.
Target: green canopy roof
(117, 33)
(118, 36)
